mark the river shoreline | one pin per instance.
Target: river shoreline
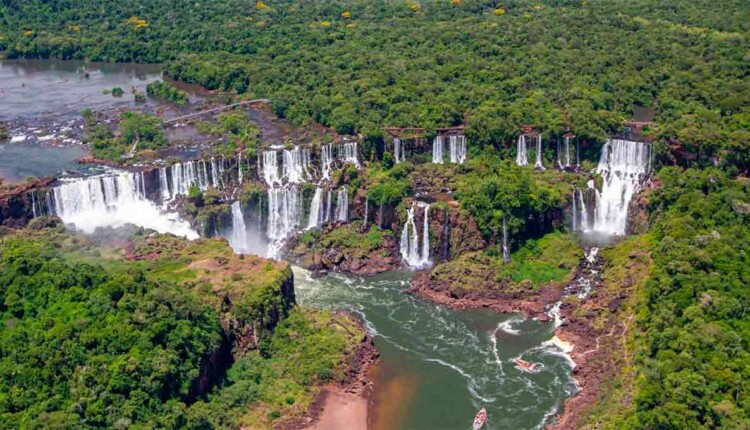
(347, 401)
(591, 348)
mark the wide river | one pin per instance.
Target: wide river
(439, 366)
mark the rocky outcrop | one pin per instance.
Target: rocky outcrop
(637, 221)
(18, 204)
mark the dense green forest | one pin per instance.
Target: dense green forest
(359, 65)
(91, 340)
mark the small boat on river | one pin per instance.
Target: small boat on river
(527, 366)
(480, 419)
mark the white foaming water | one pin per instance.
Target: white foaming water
(239, 168)
(410, 240)
(398, 150)
(554, 313)
(522, 151)
(296, 165)
(507, 326)
(342, 205)
(437, 150)
(113, 201)
(271, 168)
(539, 165)
(623, 165)
(326, 161)
(184, 175)
(457, 144)
(567, 152)
(238, 239)
(348, 153)
(284, 216)
(317, 212)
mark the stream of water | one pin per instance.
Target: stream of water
(439, 366)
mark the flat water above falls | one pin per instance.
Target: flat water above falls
(19, 161)
(439, 366)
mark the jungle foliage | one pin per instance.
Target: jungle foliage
(358, 65)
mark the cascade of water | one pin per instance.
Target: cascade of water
(284, 215)
(522, 151)
(538, 164)
(506, 250)
(584, 212)
(367, 209)
(296, 163)
(578, 156)
(271, 168)
(575, 213)
(458, 149)
(348, 153)
(238, 240)
(398, 150)
(342, 205)
(112, 200)
(559, 155)
(315, 219)
(239, 168)
(437, 150)
(410, 241)
(140, 182)
(623, 165)
(329, 205)
(567, 152)
(164, 185)
(33, 205)
(326, 161)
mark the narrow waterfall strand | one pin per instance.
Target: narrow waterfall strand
(398, 150)
(538, 164)
(410, 240)
(314, 220)
(342, 205)
(437, 150)
(238, 240)
(271, 168)
(522, 151)
(326, 161)
(348, 153)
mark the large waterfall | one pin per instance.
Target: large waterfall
(522, 151)
(437, 150)
(284, 216)
(326, 161)
(239, 238)
(456, 149)
(457, 144)
(539, 164)
(296, 166)
(271, 168)
(623, 165)
(410, 240)
(348, 153)
(342, 205)
(317, 211)
(177, 179)
(113, 201)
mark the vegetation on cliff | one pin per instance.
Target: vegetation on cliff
(96, 336)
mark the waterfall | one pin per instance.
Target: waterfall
(164, 185)
(458, 149)
(567, 152)
(271, 168)
(398, 150)
(522, 151)
(238, 240)
(342, 205)
(575, 212)
(140, 184)
(239, 168)
(328, 207)
(410, 240)
(315, 219)
(437, 150)
(538, 164)
(326, 161)
(367, 208)
(112, 201)
(584, 212)
(506, 250)
(623, 165)
(348, 153)
(177, 179)
(284, 216)
(578, 156)
(296, 163)
(559, 155)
